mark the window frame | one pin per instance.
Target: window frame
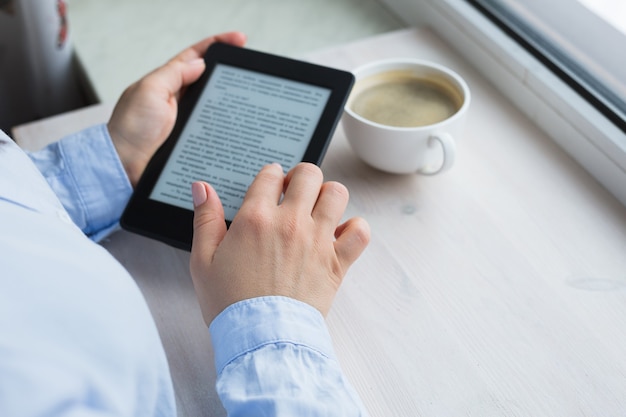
(578, 127)
(563, 59)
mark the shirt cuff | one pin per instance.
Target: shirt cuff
(87, 175)
(251, 324)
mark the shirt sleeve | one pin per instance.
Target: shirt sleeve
(274, 357)
(87, 175)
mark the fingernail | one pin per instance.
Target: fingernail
(198, 191)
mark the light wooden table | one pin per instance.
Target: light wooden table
(496, 289)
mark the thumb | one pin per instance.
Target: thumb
(209, 226)
(176, 75)
(191, 71)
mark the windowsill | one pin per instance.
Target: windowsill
(585, 134)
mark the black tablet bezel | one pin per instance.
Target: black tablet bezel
(174, 225)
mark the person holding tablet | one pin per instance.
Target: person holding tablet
(76, 336)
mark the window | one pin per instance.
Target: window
(582, 41)
(565, 57)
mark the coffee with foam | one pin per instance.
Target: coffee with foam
(401, 99)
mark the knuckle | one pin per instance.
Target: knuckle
(204, 218)
(269, 174)
(257, 222)
(308, 169)
(362, 231)
(337, 189)
(290, 227)
(295, 229)
(364, 237)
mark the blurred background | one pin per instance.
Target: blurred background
(58, 55)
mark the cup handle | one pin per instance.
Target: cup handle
(449, 150)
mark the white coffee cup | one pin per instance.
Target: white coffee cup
(404, 115)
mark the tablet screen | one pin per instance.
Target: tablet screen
(243, 120)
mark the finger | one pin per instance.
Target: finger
(188, 66)
(352, 237)
(330, 206)
(209, 226)
(188, 72)
(266, 189)
(197, 50)
(302, 186)
(175, 75)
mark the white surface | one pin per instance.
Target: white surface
(496, 289)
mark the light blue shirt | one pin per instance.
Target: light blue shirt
(76, 336)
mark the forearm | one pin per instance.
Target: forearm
(274, 357)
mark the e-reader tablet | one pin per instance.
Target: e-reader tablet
(247, 110)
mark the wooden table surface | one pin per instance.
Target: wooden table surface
(495, 289)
